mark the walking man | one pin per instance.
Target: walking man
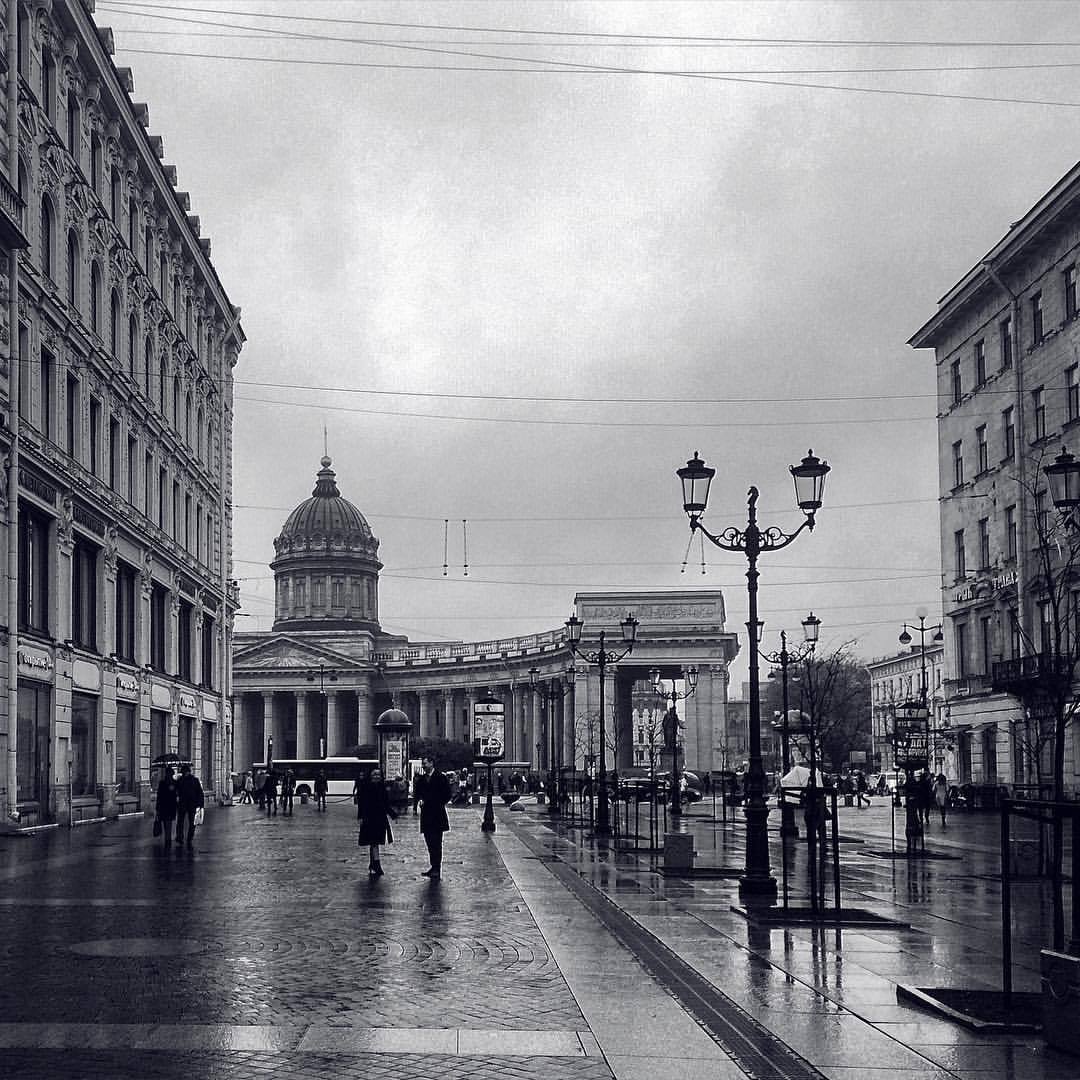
(432, 792)
(189, 798)
(321, 787)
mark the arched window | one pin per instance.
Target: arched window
(199, 338)
(176, 296)
(115, 196)
(210, 444)
(164, 372)
(133, 224)
(187, 320)
(114, 333)
(72, 268)
(148, 248)
(95, 163)
(133, 336)
(176, 416)
(46, 238)
(199, 433)
(187, 420)
(95, 298)
(74, 125)
(163, 273)
(148, 365)
(48, 84)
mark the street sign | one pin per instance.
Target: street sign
(489, 730)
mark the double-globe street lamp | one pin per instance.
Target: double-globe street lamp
(602, 657)
(783, 659)
(324, 675)
(671, 727)
(809, 476)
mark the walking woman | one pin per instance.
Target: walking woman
(374, 811)
(941, 796)
(165, 806)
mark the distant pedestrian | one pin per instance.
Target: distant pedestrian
(288, 787)
(862, 788)
(189, 798)
(269, 790)
(924, 796)
(941, 797)
(882, 785)
(321, 788)
(260, 788)
(374, 811)
(433, 793)
(165, 805)
(247, 795)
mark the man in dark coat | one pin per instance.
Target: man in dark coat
(189, 797)
(165, 806)
(432, 792)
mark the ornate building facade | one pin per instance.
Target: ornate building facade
(318, 680)
(116, 388)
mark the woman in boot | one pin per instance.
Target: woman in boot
(374, 811)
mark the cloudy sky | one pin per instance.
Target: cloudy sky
(522, 291)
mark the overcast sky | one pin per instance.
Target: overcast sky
(525, 297)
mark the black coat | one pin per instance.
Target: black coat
(374, 811)
(189, 792)
(432, 792)
(165, 806)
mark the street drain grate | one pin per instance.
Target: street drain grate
(901, 853)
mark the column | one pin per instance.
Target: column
(425, 713)
(335, 741)
(448, 724)
(568, 747)
(306, 745)
(365, 722)
(268, 729)
(471, 698)
(623, 719)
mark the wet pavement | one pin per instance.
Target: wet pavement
(541, 953)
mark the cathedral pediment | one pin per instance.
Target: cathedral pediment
(284, 653)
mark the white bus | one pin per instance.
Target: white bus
(341, 772)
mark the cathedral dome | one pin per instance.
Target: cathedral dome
(326, 564)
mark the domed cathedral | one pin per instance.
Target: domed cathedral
(326, 570)
(317, 682)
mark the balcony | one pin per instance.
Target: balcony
(968, 685)
(1027, 673)
(11, 217)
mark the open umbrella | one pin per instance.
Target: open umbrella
(170, 759)
(799, 777)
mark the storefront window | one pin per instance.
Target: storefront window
(183, 746)
(127, 762)
(32, 758)
(159, 733)
(207, 776)
(84, 739)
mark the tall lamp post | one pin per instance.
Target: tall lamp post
(809, 476)
(548, 692)
(913, 825)
(324, 675)
(671, 734)
(784, 658)
(602, 657)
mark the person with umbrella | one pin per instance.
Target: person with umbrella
(190, 799)
(165, 805)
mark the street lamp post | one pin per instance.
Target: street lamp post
(602, 657)
(811, 628)
(671, 734)
(548, 693)
(324, 675)
(913, 827)
(809, 476)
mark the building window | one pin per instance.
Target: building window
(1069, 277)
(176, 414)
(95, 298)
(159, 612)
(148, 366)
(47, 373)
(163, 374)
(1010, 533)
(1008, 434)
(32, 757)
(318, 598)
(83, 748)
(338, 596)
(95, 435)
(183, 632)
(980, 362)
(961, 636)
(148, 483)
(208, 653)
(73, 416)
(300, 596)
(163, 273)
(162, 494)
(199, 434)
(1038, 409)
(187, 523)
(34, 573)
(984, 543)
(959, 560)
(84, 612)
(132, 455)
(95, 163)
(983, 453)
(989, 752)
(115, 197)
(72, 269)
(198, 549)
(1046, 627)
(177, 524)
(958, 463)
(1042, 518)
(133, 221)
(1072, 395)
(1036, 319)
(114, 454)
(127, 749)
(74, 124)
(24, 373)
(126, 609)
(183, 736)
(148, 248)
(46, 238)
(1005, 341)
(48, 84)
(957, 385)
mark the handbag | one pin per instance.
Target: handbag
(157, 826)
(198, 815)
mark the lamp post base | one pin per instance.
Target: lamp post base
(758, 880)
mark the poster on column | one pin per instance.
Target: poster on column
(489, 730)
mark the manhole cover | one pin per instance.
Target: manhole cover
(140, 947)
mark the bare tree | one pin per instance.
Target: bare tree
(835, 690)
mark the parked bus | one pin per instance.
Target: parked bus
(341, 772)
